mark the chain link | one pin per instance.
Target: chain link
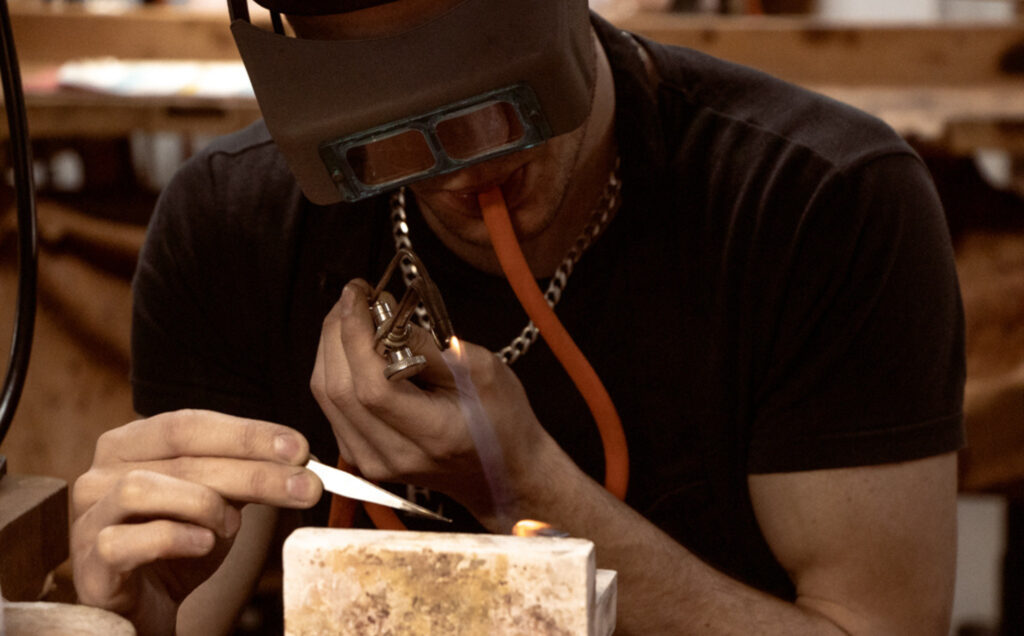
(400, 233)
(595, 227)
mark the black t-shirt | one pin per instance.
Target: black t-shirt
(777, 293)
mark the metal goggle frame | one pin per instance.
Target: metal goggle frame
(449, 138)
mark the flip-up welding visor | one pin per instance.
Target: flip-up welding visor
(355, 117)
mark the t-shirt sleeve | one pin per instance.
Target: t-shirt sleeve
(867, 361)
(193, 327)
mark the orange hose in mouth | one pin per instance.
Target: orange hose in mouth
(517, 271)
(520, 278)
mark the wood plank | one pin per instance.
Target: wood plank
(34, 533)
(69, 114)
(59, 31)
(962, 118)
(815, 51)
(967, 136)
(802, 49)
(953, 82)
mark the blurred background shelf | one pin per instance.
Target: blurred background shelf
(954, 83)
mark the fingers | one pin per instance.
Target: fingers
(437, 375)
(144, 518)
(233, 480)
(102, 568)
(148, 494)
(201, 433)
(350, 386)
(363, 378)
(331, 385)
(123, 548)
(318, 386)
(240, 459)
(356, 332)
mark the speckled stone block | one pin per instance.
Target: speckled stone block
(340, 581)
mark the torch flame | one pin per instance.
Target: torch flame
(534, 528)
(456, 346)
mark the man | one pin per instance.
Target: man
(772, 306)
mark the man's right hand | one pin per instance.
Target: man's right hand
(158, 510)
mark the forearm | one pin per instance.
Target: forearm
(663, 588)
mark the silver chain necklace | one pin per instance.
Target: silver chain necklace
(595, 226)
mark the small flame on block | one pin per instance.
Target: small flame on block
(534, 528)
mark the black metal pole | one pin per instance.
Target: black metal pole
(21, 155)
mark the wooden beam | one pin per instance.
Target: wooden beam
(966, 137)
(964, 118)
(59, 31)
(33, 533)
(68, 114)
(802, 49)
(813, 51)
(956, 81)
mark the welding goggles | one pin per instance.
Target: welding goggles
(357, 117)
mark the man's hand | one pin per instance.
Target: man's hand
(414, 431)
(158, 510)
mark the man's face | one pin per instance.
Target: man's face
(533, 181)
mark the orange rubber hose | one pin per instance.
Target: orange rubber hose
(520, 278)
(517, 271)
(343, 510)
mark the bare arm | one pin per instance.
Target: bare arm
(874, 548)
(871, 550)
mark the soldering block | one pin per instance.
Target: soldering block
(339, 581)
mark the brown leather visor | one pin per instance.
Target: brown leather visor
(315, 94)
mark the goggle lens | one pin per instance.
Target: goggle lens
(471, 134)
(401, 155)
(447, 139)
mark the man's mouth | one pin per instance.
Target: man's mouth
(463, 197)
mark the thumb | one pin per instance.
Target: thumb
(437, 373)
